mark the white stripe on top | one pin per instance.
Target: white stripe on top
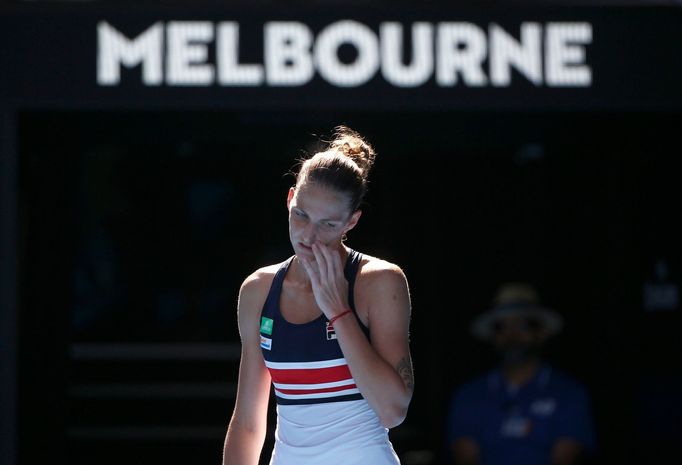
(318, 395)
(344, 382)
(306, 365)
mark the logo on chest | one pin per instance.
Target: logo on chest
(265, 342)
(266, 328)
(331, 334)
(266, 325)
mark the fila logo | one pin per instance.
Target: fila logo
(331, 334)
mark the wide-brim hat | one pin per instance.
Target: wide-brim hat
(517, 299)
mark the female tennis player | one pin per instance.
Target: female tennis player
(328, 327)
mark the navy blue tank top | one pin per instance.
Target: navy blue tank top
(305, 360)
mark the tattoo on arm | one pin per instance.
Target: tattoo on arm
(404, 369)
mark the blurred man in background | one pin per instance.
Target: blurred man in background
(523, 411)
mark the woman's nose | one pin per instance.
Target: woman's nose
(310, 233)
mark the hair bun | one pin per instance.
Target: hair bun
(353, 145)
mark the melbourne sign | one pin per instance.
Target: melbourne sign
(444, 54)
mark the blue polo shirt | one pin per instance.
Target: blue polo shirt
(520, 426)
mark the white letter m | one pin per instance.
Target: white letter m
(114, 49)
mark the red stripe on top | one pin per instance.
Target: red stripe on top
(310, 375)
(315, 391)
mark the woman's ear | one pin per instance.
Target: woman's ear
(290, 195)
(354, 218)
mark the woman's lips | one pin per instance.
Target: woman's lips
(305, 246)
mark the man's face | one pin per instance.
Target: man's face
(518, 337)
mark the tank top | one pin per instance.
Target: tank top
(322, 417)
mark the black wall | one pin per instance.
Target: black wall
(579, 204)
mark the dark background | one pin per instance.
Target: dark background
(146, 238)
(134, 225)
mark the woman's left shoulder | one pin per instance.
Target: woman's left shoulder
(379, 272)
(382, 289)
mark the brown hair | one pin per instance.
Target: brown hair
(344, 166)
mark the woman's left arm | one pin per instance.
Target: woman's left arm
(382, 368)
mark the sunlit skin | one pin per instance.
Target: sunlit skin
(315, 284)
(318, 219)
(318, 214)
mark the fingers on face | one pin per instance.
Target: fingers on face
(334, 262)
(321, 258)
(309, 266)
(330, 261)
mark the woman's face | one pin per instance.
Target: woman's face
(318, 213)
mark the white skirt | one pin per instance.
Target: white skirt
(335, 433)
